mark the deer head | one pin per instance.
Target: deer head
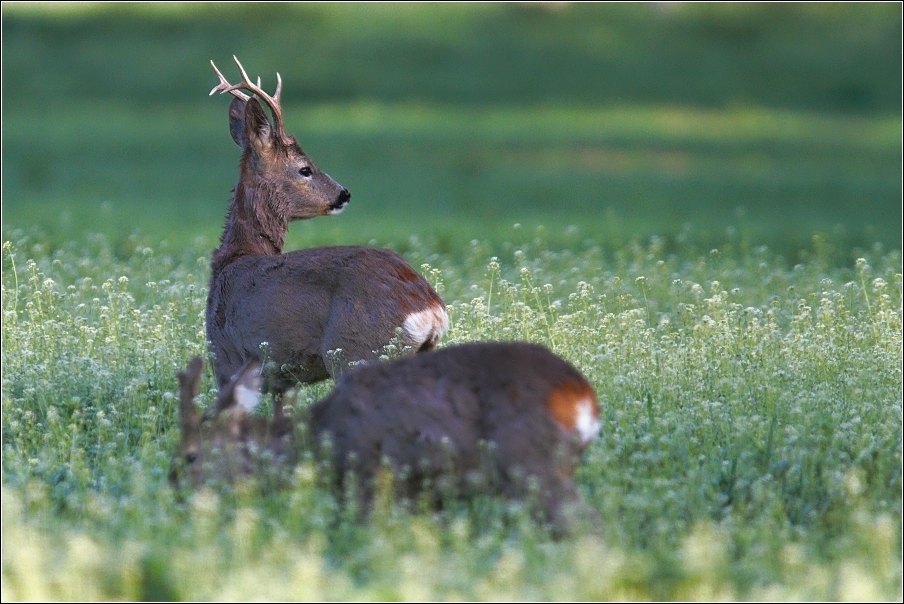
(274, 165)
(227, 443)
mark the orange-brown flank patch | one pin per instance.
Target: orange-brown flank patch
(564, 402)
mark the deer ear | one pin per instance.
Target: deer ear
(189, 379)
(188, 389)
(248, 386)
(237, 121)
(257, 132)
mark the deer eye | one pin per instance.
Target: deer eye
(306, 171)
(191, 458)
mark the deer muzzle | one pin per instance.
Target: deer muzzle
(341, 201)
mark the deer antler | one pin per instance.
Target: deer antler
(225, 86)
(256, 90)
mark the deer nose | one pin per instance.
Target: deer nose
(341, 199)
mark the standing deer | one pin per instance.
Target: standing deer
(501, 418)
(317, 309)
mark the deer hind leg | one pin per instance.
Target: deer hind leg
(341, 353)
(567, 512)
(554, 501)
(346, 338)
(352, 335)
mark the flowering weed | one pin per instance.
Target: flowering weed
(751, 441)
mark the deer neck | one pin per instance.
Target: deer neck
(252, 227)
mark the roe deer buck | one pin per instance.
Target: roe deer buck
(306, 303)
(463, 420)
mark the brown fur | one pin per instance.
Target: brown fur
(460, 421)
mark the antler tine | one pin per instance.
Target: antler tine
(225, 86)
(272, 101)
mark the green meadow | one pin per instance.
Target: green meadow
(697, 205)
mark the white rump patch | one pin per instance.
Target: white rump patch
(586, 425)
(427, 325)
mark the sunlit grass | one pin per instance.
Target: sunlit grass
(750, 447)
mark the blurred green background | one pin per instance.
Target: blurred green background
(706, 125)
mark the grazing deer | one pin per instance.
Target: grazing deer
(504, 418)
(315, 310)
(462, 420)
